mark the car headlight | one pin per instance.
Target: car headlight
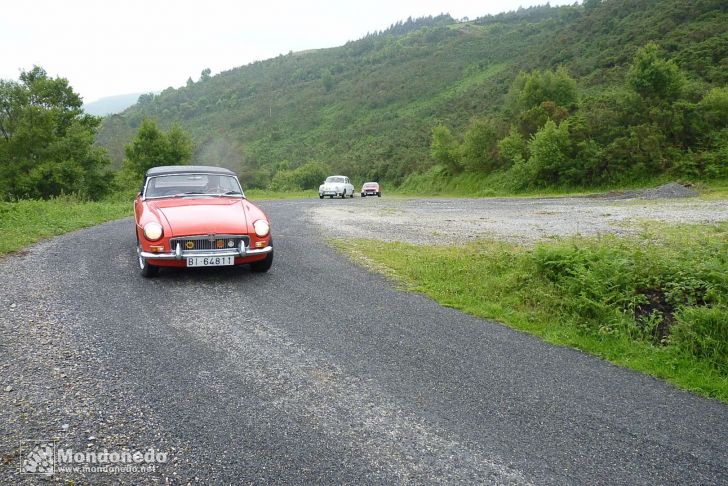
(262, 228)
(153, 231)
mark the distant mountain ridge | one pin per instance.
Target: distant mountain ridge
(367, 108)
(110, 105)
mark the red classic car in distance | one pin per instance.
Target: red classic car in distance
(197, 216)
(371, 189)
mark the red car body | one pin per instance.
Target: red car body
(371, 189)
(208, 227)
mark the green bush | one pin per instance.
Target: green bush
(532, 89)
(550, 152)
(702, 332)
(445, 149)
(617, 287)
(307, 176)
(480, 146)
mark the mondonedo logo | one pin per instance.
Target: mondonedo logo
(45, 457)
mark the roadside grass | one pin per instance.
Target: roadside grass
(712, 189)
(656, 303)
(27, 221)
(265, 194)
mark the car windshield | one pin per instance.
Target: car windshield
(370, 184)
(190, 185)
(330, 180)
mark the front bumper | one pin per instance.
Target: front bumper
(240, 252)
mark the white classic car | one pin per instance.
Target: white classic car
(336, 186)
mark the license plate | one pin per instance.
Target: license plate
(210, 261)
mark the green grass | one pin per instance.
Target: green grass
(28, 221)
(264, 194)
(593, 294)
(712, 189)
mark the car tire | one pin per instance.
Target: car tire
(331, 197)
(263, 265)
(379, 194)
(363, 195)
(145, 268)
(321, 196)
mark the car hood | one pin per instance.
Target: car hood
(202, 216)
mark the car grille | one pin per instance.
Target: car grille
(209, 242)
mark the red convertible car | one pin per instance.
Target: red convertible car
(197, 216)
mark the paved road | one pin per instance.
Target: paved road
(317, 372)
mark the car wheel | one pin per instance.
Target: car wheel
(145, 268)
(363, 195)
(321, 196)
(263, 265)
(379, 194)
(331, 197)
(351, 195)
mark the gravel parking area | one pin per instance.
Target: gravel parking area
(523, 220)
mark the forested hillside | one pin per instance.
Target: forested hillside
(370, 108)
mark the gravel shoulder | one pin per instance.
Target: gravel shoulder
(522, 221)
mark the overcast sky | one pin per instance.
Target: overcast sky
(130, 46)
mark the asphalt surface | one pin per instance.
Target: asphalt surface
(316, 372)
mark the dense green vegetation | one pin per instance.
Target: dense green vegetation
(47, 141)
(549, 95)
(27, 221)
(656, 303)
(548, 136)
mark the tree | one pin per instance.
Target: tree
(152, 147)
(714, 107)
(550, 153)
(480, 146)
(205, 74)
(513, 148)
(47, 141)
(532, 89)
(327, 79)
(653, 77)
(445, 149)
(145, 99)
